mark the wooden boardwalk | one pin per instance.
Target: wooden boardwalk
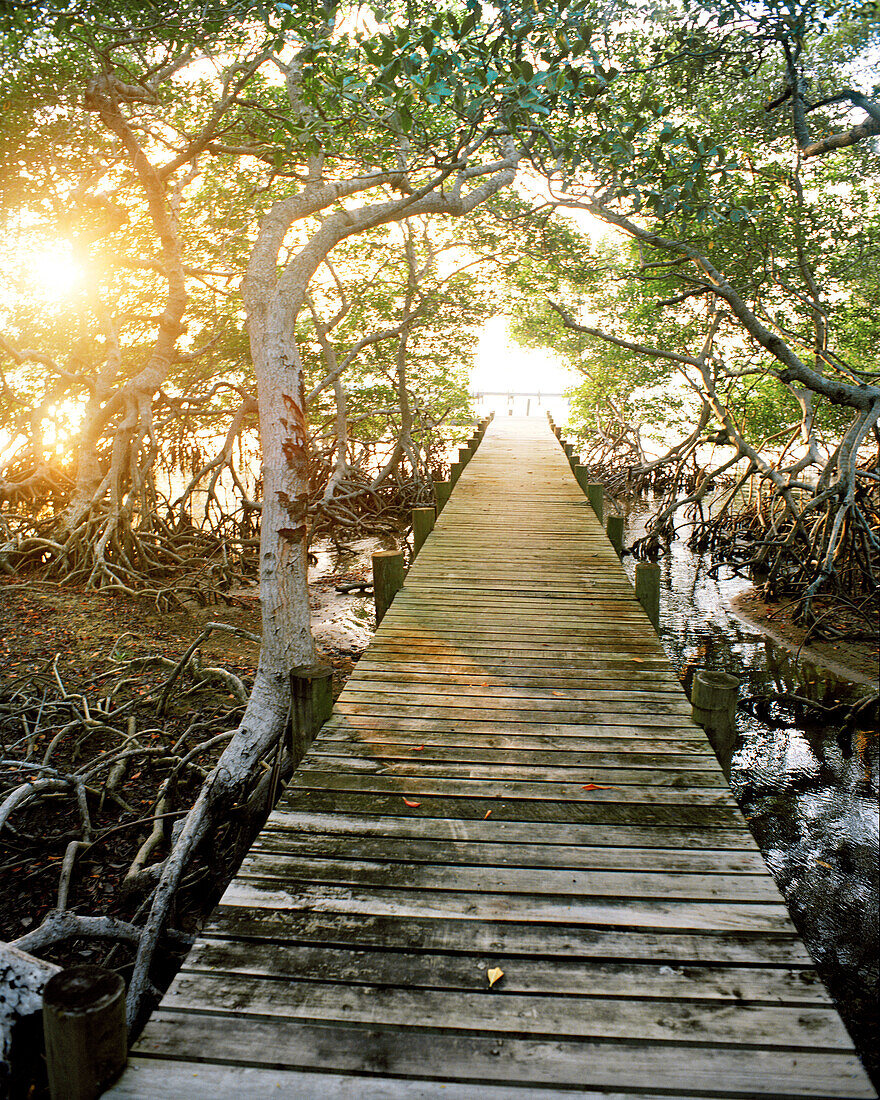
(510, 780)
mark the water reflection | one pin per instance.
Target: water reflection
(342, 621)
(807, 788)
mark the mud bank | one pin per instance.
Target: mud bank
(855, 661)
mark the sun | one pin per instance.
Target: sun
(54, 273)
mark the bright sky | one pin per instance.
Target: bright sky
(503, 365)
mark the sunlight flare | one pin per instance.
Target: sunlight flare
(53, 272)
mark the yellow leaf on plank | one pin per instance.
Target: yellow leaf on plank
(494, 974)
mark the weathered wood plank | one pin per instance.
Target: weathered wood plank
(502, 1013)
(765, 986)
(503, 854)
(538, 664)
(416, 764)
(648, 793)
(683, 915)
(454, 711)
(438, 936)
(524, 678)
(535, 754)
(565, 835)
(647, 740)
(363, 756)
(200, 1081)
(571, 811)
(442, 1056)
(272, 861)
(545, 697)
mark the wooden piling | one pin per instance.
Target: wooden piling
(714, 697)
(455, 471)
(84, 1027)
(614, 530)
(311, 701)
(388, 574)
(465, 454)
(422, 525)
(596, 493)
(582, 475)
(442, 489)
(648, 590)
(569, 449)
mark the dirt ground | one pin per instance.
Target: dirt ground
(46, 629)
(856, 660)
(39, 621)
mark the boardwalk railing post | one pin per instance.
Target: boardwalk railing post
(388, 574)
(422, 526)
(582, 474)
(311, 701)
(442, 489)
(614, 530)
(713, 700)
(84, 1027)
(648, 590)
(596, 493)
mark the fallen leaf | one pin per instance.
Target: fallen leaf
(486, 814)
(556, 693)
(822, 863)
(597, 787)
(494, 974)
(418, 748)
(410, 802)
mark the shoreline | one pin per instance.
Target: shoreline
(853, 661)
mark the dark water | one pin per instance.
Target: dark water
(809, 795)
